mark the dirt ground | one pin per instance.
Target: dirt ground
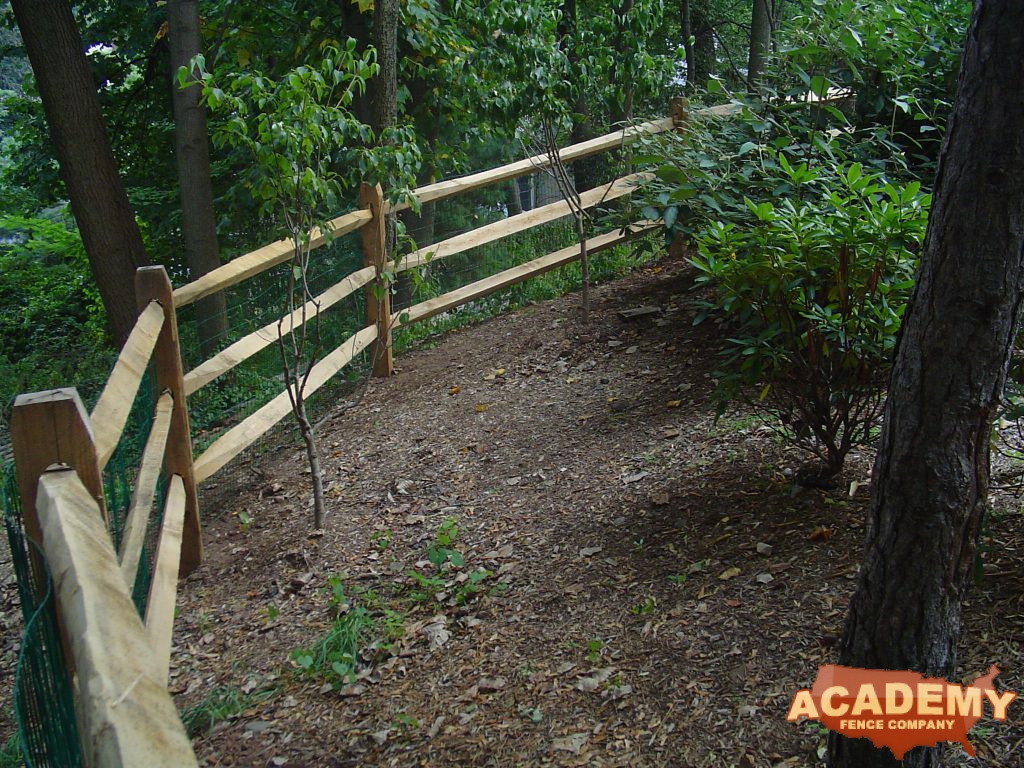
(624, 580)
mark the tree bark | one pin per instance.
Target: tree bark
(100, 206)
(703, 45)
(760, 43)
(198, 224)
(931, 475)
(686, 31)
(385, 85)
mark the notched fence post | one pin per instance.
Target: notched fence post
(48, 428)
(378, 293)
(152, 284)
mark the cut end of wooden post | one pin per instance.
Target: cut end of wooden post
(680, 111)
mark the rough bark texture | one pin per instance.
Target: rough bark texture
(384, 87)
(98, 200)
(760, 42)
(191, 143)
(703, 46)
(686, 30)
(930, 481)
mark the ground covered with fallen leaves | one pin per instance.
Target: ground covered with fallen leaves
(543, 549)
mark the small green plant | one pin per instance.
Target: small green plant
(442, 552)
(594, 648)
(647, 606)
(425, 587)
(639, 545)
(271, 612)
(383, 539)
(222, 703)
(337, 600)
(334, 658)
(472, 586)
(203, 622)
(393, 625)
(679, 578)
(245, 520)
(10, 755)
(407, 722)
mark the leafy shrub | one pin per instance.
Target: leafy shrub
(816, 290)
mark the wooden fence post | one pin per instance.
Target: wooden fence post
(680, 112)
(378, 293)
(47, 428)
(152, 283)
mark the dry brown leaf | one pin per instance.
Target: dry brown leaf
(729, 573)
(821, 533)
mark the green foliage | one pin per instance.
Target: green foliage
(442, 552)
(222, 703)
(10, 753)
(815, 291)
(899, 60)
(307, 148)
(334, 658)
(51, 320)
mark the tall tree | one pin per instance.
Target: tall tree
(698, 41)
(195, 187)
(760, 42)
(931, 475)
(98, 201)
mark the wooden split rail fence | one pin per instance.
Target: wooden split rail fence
(117, 659)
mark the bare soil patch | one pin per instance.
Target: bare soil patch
(656, 588)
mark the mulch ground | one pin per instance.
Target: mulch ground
(625, 580)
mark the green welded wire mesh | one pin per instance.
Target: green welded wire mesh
(43, 706)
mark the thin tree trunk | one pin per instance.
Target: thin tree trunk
(581, 233)
(313, 457)
(931, 475)
(686, 30)
(105, 218)
(198, 224)
(760, 43)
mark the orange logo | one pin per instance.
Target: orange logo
(898, 710)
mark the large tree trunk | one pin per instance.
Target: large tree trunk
(760, 43)
(703, 45)
(930, 481)
(357, 24)
(198, 224)
(98, 200)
